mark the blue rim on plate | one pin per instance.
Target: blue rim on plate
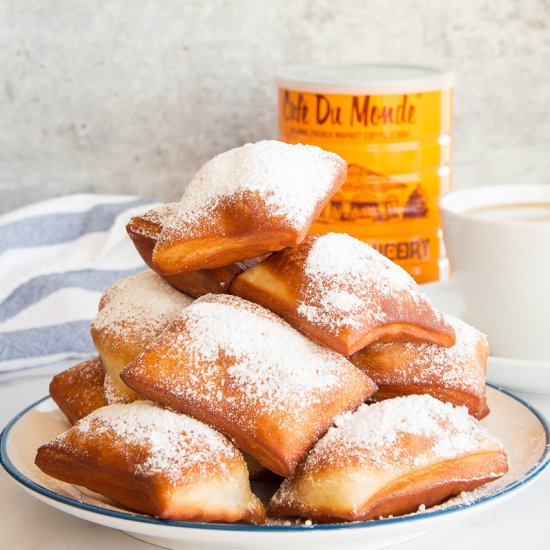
(129, 516)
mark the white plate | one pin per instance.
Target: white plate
(523, 431)
(515, 374)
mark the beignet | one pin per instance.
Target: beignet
(390, 458)
(132, 312)
(243, 370)
(455, 375)
(79, 390)
(156, 462)
(145, 231)
(247, 202)
(343, 294)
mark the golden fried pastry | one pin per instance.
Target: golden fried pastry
(243, 370)
(145, 231)
(390, 458)
(455, 375)
(247, 202)
(343, 294)
(156, 462)
(132, 312)
(79, 390)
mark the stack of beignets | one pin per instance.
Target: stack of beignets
(276, 354)
(242, 369)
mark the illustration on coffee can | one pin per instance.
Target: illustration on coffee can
(393, 126)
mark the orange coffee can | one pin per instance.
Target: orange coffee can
(393, 125)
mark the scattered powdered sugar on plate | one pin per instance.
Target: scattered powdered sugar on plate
(269, 364)
(139, 307)
(169, 443)
(291, 180)
(347, 283)
(401, 433)
(459, 366)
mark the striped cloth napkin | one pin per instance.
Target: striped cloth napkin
(56, 258)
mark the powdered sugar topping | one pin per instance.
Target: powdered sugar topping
(397, 434)
(158, 217)
(271, 365)
(84, 380)
(113, 395)
(171, 443)
(461, 366)
(291, 180)
(139, 307)
(88, 372)
(347, 283)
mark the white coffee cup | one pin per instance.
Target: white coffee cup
(498, 244)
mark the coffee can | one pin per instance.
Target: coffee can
(393, 125)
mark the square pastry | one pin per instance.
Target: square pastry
(343, 294)
(455, 375)
(145, 231)
(156, 462)
(247, 202)
(389, 459)
(245, 371)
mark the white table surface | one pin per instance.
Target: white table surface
(27, 524)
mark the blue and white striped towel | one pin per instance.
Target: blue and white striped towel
(56, 258)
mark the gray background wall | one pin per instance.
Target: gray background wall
(133, 96)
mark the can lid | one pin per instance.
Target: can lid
(363, 78)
